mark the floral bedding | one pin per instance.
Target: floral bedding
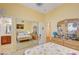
(50, 49)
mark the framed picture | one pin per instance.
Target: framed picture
(20, 26)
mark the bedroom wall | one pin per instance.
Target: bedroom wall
(18, 11)
(65, 11)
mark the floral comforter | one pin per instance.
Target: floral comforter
(50, 49)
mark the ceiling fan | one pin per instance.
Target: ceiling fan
(39, 4)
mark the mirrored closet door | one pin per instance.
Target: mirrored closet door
(26, 33)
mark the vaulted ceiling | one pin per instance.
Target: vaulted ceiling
(42, 7)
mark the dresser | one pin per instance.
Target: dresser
(67, 43)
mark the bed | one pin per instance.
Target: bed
(23, 36)
(50, 49)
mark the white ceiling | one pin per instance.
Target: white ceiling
(44, 8)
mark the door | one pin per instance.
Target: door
(41, 33)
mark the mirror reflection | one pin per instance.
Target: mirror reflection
(68, 29)
(26, 32)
